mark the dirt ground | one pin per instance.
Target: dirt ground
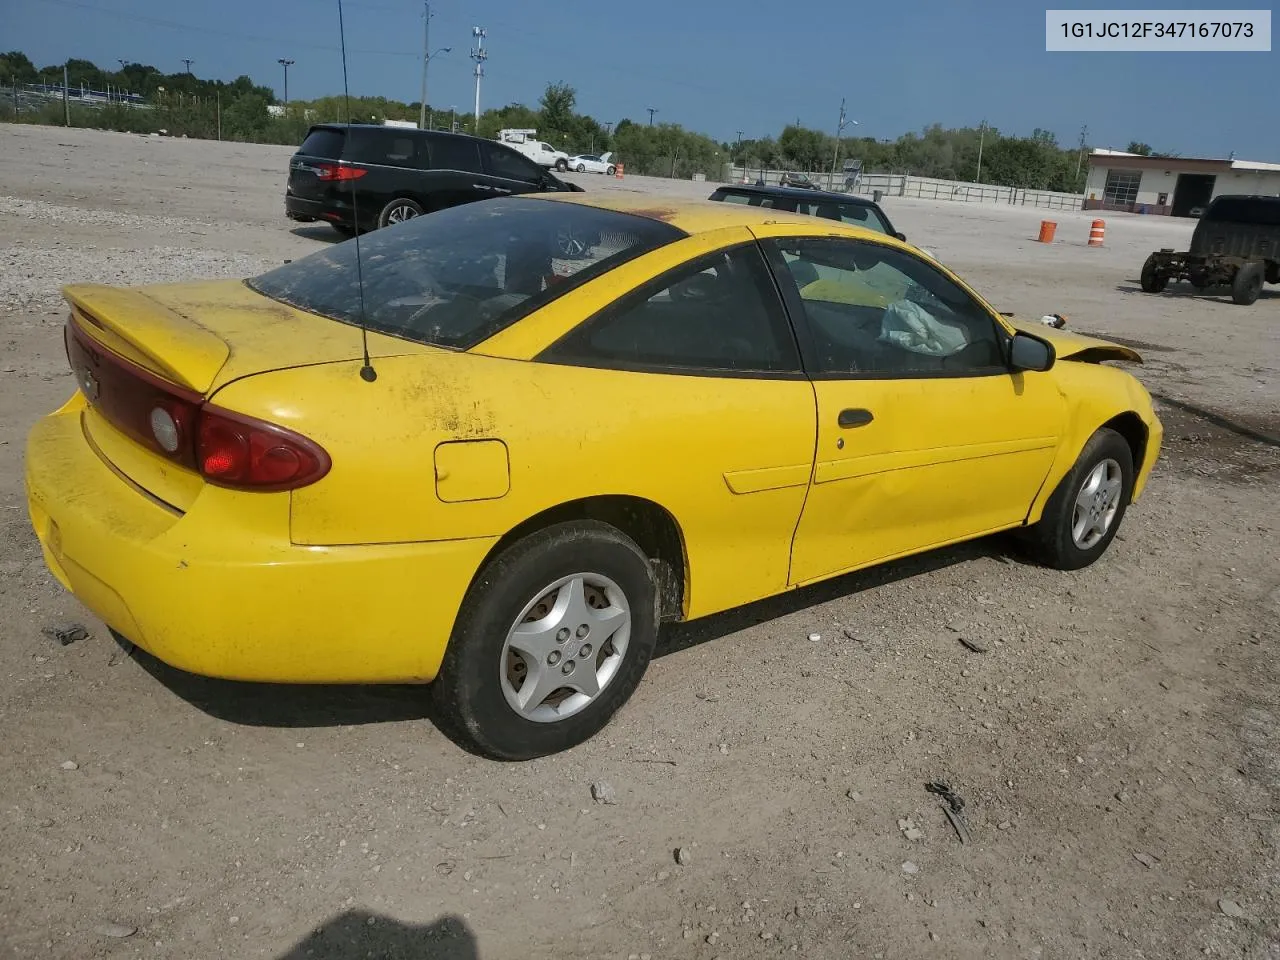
(1116, 744)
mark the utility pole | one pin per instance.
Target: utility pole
(122, 62)
(453, 119)
(188, 61)
(1080, 158)
(982, 134)
(286, 64)
(840, 125)
(479, 56)
(66, 104)
(652, 111)
(219, 92)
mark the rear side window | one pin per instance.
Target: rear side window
(324, 143)
(1263, 213)
(854, 214)
(720, 314)
(386, 147)
(455, 153)
(731, 197)
(457, 276)
(505, 162)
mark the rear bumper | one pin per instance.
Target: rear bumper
(214, 592)
(306, 211)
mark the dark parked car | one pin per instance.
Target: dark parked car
(815, 203)
(1236, 243)
(797, 180)
(390, 174)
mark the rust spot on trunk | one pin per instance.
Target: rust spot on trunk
(665, 214)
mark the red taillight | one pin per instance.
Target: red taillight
(334, 171)
(226, 448)
(246, 453)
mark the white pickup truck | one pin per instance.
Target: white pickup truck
(527, 142)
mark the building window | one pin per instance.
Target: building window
(1122, 186)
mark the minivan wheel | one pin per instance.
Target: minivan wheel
(552, 639)
(562, 165)
(398, 211)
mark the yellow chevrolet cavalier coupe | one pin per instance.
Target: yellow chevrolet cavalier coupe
(579, 416)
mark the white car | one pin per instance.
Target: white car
(590, 163)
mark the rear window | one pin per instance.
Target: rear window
(854, 214)
(1256, 212)
(455, 153)
(323, 143)
(456, 277)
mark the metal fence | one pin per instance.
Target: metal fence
(924, 188)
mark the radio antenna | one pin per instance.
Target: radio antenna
(367, 373)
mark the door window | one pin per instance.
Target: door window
(455, 153)
(875, 311)
(719, 314)
(506, 163)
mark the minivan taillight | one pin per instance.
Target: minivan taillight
(226, 448)
(334, 171)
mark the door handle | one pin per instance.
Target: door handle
(481, 186)
(854, 418)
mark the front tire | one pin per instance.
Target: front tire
(562, 165)
(1246, 286)
(552, 639)
(581, 168)
(398, 211)
(1152, 280)
(1083, 514)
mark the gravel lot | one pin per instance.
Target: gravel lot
(1116, 744)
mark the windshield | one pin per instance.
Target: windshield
(456, 277)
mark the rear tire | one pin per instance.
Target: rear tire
(611, 171)
(1246, 286)
(1152, 280)
(581, 168)
(528, 617)
(1085, 510)
(398, 211)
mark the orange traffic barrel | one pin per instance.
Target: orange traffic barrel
(1095, 233)
(1047, 229)
(617, 171)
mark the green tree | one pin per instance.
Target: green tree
(1142, 149)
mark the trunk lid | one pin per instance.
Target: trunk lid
(191, 338)
(324, 145)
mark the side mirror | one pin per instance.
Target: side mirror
(1030, 353)
(901, 236)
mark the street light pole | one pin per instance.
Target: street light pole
(426, 42)
(652, 111)
(286, 64)
(422, 113)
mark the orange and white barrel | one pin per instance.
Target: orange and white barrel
(1047, 229)
(1096, 232)
(617, 171)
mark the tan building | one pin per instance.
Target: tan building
(1177, 186)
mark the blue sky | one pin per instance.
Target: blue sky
(714, 67)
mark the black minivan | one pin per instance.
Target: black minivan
(390, 174)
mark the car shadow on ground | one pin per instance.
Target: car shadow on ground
(359, 934)
(1219, 294)
(318, 231)
(335, 705)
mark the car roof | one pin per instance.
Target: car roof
(799, 193)
(401, 131)
(702, 216)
